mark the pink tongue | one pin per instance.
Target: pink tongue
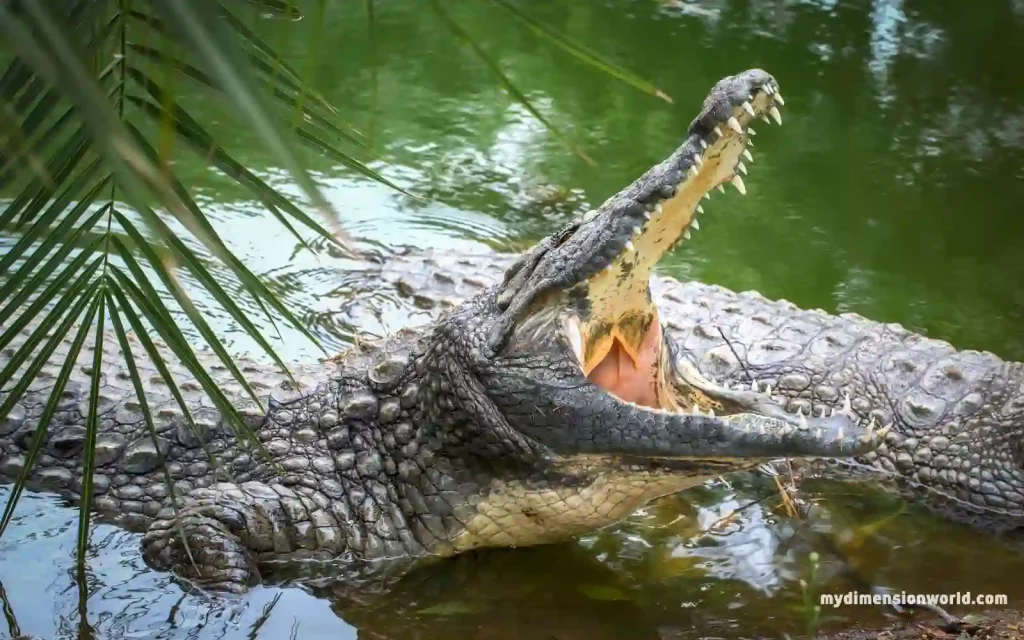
(634, 382)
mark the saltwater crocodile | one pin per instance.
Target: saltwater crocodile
(545, 407)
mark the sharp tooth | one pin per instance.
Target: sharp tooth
(658, 208)
(881, 433)
(751, 131)
(629, 246)
(707, 195)
(647, 215)
(819, 433)
(637, 230)
(760, 429)
(747, 155)
(847, 405)
(754, 387)
(767, 389)
(786, 430)
(823, 412)
(734, 124)
(776, 116)
(841, 434)
(695, 225)
(803, 421)
(749, 109)
(765, 118)
(700, 209)
(693, 171)
(695, 410)
(718, 130)
(742, 167)
(711, 413)
(778, 98)
(721, 188)
(686, 234)
(767, 88)
(738, 183)
(698, 160)
(703, 144)
(871, 426)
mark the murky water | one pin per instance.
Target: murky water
(893, 190)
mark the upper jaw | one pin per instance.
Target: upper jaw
(632, 230)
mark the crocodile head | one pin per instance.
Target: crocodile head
(577, 334)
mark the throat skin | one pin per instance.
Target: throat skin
(630, 376)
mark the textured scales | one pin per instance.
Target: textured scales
(480, 429)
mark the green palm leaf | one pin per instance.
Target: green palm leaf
(88, 114)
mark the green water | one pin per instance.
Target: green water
(893, 189)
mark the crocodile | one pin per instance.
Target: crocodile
(547, 406)
(955, 447)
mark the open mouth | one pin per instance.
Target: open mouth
(616, 334)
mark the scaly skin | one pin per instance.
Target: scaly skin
(956, 443)
(481, 429)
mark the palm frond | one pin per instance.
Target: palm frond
(89, 117)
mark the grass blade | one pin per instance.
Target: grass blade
(40, 277)
(91, 427)
(142, 334)
(198, 25)
(38, 334)
(510, 87)
(51, 405)
(581, 52)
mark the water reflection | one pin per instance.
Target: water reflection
(892, 190)
(720, 560)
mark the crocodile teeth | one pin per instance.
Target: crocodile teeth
(767, 389)
(647, 215)
(841, 434)
(734, 124)
(686, 234)
(765, 118)
(776, 116)
(823, 412)
(803, 421)
(742, 168)
(718, 130)
(819, 433)
(707, 195)
(697, 159)
(695, 410)
(721, 188)
(884, 431)
(847, 405)
(703, 143)
(629, 246)
(695, 225)
(700, 209)
(749, 109)
(693, 171)
(711, 413)
(637, 230)
(746, 154)
(767, 88)
(778, 97)
(738, 183)
(754, 387)
(751, 131)
(658, 208)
